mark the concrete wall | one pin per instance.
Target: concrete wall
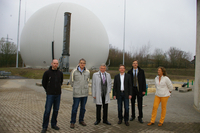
(197, 66)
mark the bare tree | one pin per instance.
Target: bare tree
(159, 57)
(142, 54)
(7, 52)
(179, 58)
(174, 57)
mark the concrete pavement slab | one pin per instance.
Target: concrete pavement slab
(22, 107)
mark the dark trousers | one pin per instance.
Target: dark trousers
(75, 105)
(105, 111)
(120, 106)
(139, 102)
(55, 101)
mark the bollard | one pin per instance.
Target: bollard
(192, 82)
(187, 83)
(146, 89)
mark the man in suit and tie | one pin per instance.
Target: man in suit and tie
(122, 91)
(101, 87)
(139, 89)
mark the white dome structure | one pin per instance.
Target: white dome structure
(88, 37)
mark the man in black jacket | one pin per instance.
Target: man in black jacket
(52, 81)
(122, 90)
(139, 89)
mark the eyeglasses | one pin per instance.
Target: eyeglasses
(82, 63)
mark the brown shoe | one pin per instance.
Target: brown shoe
(149, 124)
(82, 123)
(160, 124)
(126, 123)
(72, 125)
(120, 122)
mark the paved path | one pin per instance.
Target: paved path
(22, 107)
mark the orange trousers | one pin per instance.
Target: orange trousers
(157, 101)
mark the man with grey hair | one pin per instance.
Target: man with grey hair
(101, 87)
(79, 79)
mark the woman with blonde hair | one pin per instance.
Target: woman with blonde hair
(163, 91)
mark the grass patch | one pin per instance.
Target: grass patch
(25, 72)
(150, 73)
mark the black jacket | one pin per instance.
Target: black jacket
(127, 86)
(52, 81)
(141, 80)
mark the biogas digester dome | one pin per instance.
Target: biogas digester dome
(88, 37)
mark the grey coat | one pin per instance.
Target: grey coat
(96, 88)
(79, 81)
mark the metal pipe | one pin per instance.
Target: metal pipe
(66, 37)
(64, 60)
(18, 33)
(124, 29)
(52, 50)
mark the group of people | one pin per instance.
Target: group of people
(130, 85)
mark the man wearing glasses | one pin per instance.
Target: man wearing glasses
(79, 79)
(101, 87)
(122, 91)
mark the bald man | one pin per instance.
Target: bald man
(52, 81)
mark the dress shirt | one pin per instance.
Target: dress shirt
(80, 69)
(134, 72)
(163, 87)
(104, 75)
(122, 82)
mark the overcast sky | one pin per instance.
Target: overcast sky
(160, 23)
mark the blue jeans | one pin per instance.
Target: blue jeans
(76, 101)
(126, 107)
(55, 101)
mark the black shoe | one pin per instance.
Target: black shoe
(44, 130)
(126, 123)
(120, 122)
(132, 118)
(97, 122)
(55, 127)
(106, 122)
(140, 120)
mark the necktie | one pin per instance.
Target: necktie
(103, 79)
(135, 79)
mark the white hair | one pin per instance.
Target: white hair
(103, 64)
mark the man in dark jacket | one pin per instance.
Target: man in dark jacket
(122, 91)
(52, 81)
(139, 89)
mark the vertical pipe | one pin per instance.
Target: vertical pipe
(124, 29)
(66, 43)
(7, 39)
(52, 50)
(25, 14)
(66, 37)
(24, 24)
(18, 33)
(197, 61)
